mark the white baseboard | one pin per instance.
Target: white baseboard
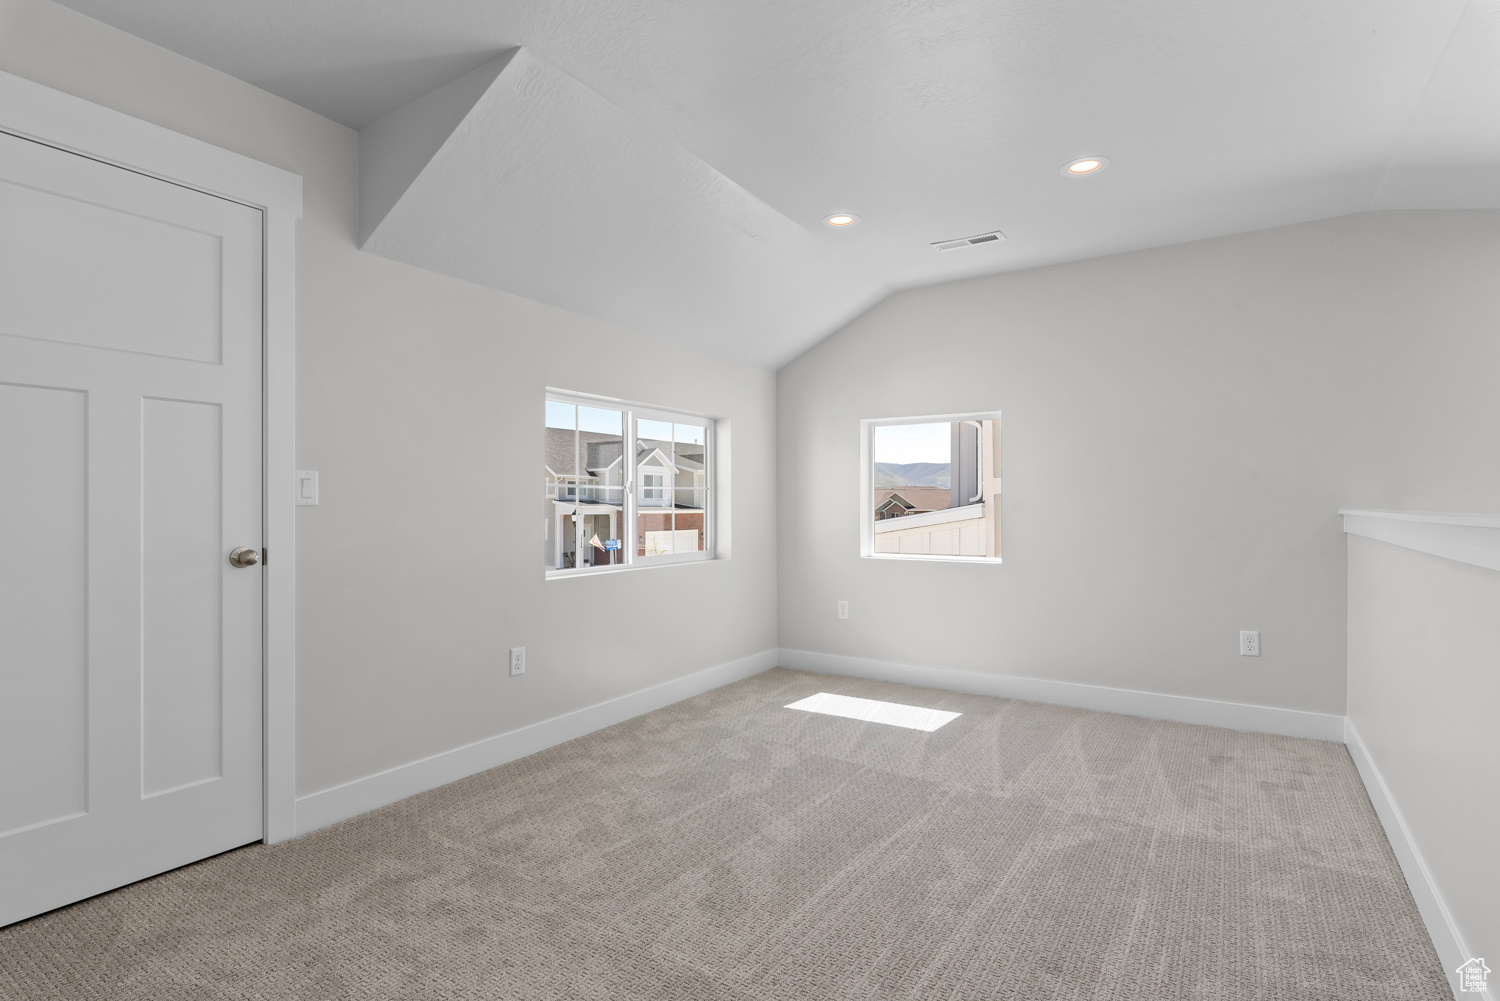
(1177, 708)
(351, 799)
(1446, 938)
(330, 806)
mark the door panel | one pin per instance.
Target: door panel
(44, 615)
(130, 439)
(102, 291)
(182, 595)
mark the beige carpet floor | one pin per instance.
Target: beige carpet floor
(728, 848)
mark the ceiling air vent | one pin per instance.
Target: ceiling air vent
(969, 241)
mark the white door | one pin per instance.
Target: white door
(130, 467)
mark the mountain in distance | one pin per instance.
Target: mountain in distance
(911, 474)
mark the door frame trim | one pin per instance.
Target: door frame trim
(31, 111)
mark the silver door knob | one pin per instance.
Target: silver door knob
(243, 557)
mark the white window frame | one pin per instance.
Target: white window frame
(629, 533)
(867, 486)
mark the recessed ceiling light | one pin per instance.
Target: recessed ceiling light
(842, 220)
(1085, 165)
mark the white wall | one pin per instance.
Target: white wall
(1424, 697)
(1180, 427)
(419, 402)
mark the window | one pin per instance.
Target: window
(932, 488)
(624, 486)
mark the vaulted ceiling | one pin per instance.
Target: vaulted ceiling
(668, 164)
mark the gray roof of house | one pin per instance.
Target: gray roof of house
(916, 498)
(559, 448)
(601, 450)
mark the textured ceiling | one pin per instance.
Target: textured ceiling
(450, 183)
(930, 119)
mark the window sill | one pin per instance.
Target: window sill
(629, 568)
(923, 557)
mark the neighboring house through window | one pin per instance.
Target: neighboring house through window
(601, 511)
(932, 488)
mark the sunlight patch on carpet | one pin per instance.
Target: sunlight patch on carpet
(872, 711)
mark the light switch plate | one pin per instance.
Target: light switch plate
(307, 488)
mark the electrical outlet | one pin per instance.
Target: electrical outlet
(1249, 642)
(843, 609)
(517, 660)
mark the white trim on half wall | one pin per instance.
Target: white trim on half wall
(1467, 538)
